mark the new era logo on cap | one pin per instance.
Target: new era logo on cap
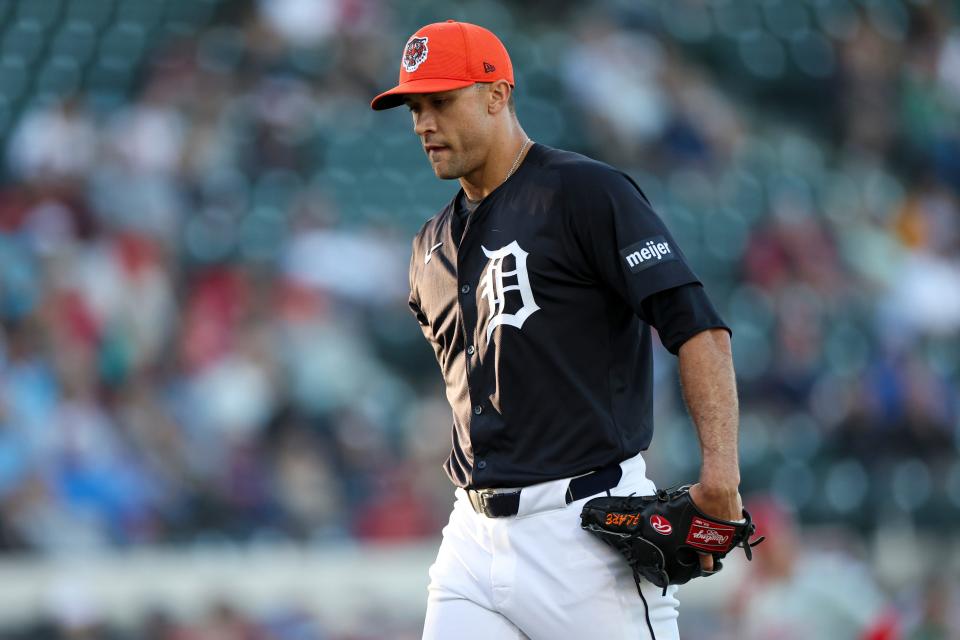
(489, 68)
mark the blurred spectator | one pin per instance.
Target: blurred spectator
(798, 591)
(937, 613)
(54, 143)
(620, 99)
(226, 623)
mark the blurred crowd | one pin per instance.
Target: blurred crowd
(203, 328)
(222, 621)
(185, 355)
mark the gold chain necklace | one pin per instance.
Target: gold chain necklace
(516, 163)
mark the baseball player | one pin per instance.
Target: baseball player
(537, 286)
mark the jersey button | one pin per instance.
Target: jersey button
(478, 409)
(465, 289)
(482, 465)
(471, 350)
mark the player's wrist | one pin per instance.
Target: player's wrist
(723, 502)
(717, 479)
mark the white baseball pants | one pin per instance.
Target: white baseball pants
(539, 576)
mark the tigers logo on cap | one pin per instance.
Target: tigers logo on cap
(414, 54)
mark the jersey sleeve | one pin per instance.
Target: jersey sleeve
(623, 241)
(680, 313)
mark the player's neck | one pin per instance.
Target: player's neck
(505, 155)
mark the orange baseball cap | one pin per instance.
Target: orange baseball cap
(444, 56)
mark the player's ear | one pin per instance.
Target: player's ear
(498, 96)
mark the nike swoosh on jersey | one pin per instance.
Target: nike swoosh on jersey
(426, 258)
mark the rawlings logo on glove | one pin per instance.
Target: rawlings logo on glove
(661, 535)
(709, 535)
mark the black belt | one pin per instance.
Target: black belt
(500, 505)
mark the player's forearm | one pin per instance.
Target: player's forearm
(709, 390)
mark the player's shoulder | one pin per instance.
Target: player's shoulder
(577, 167)
(584, 178)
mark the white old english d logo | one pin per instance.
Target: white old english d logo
(493, 288)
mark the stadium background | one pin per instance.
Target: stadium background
(217, 417)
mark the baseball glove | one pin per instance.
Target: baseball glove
(661, 535)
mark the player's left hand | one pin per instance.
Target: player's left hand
(724, 504)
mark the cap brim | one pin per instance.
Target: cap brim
(394, 97)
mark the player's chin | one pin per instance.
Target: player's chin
(446, 172)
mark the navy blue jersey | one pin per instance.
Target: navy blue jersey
(538, 307)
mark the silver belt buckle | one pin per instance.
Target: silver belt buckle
(483, 495)
(478, 500)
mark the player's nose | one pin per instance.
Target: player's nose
(424, 123)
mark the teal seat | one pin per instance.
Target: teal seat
(762, 54)
(190, 12)
(76, 40)
(122, 45)
(401, 151)
(785, 18)
(93, 12)
(146, 13)
(43, 12)
(14, 80)
(734, 18)
(59, 77)
(837, 18)
(110, 76)
(25, 39)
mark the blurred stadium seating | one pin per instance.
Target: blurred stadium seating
(204, 234)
